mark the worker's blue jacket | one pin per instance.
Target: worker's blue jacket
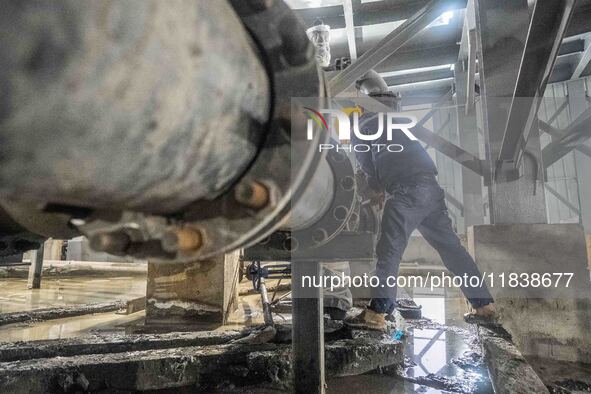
(385, 169)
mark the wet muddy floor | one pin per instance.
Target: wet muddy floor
(56, 291)
(60, 292)
(442, 354)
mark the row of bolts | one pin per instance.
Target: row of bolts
(250, 194)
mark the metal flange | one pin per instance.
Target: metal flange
(337, 215)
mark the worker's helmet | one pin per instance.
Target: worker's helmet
(372, 83)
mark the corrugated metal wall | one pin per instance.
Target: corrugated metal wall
(562, 196)
(450, 172)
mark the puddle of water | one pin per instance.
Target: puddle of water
(442, 353)
(54, 292)
(444, 350)
(15, 297)
(70, 327)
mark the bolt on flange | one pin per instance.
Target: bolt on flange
(113, 242)
(185, 239)
(252, 194)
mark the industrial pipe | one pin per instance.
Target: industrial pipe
(143, 124)
(139, 104)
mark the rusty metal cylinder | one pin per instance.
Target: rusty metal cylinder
(146, 105)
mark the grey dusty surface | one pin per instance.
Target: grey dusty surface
(201, 367)
(545, 321)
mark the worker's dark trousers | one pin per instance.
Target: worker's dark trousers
(419, 204)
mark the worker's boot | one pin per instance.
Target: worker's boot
(368, 320)
(485, 315)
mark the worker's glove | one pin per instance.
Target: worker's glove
(377, 200)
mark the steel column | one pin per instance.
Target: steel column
(307, 331)
(502, 27)
(577, 96)
(36, 268)
(547, 27)
(468, 134)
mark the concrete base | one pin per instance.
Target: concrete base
(508, 369)
(550, 322)
(60, 312)
(197, 368)
(196, 292)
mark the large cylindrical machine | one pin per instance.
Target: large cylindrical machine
(160, 129)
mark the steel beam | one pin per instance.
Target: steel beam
(372, 13)
(308, 330)
(574, 137)
(350, 28)
(390, 44)
(439, 143)
(467, 54)
(420, 57)
(440, 102)
(584, 62)
(448, 54)
(449, 149)
(421, 75)
(557, 134)
(558, 111)
(547, 27)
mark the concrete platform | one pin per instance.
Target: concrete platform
(201, 367)
(509, 370)
(551, 322)
(192, 293)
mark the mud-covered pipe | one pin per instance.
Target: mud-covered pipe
(146, 105)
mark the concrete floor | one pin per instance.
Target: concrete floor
(14, 296)
(431, 346)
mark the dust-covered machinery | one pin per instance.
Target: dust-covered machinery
(159, 130)
(163, 130)
(166, 130)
